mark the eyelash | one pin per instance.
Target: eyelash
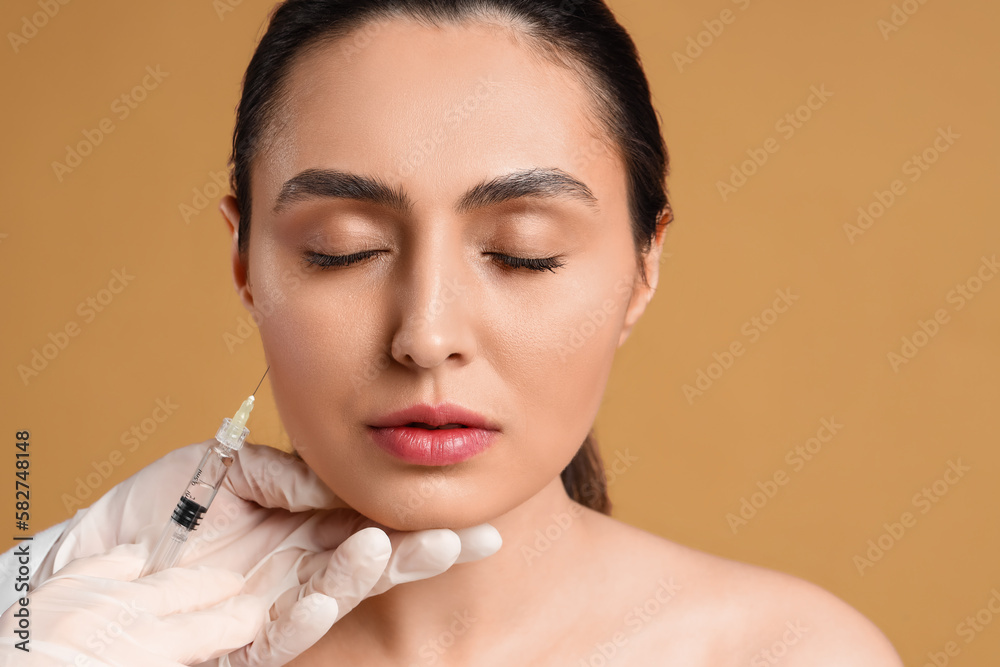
(331, 261)
(531, 263)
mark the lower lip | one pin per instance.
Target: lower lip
(433, 447)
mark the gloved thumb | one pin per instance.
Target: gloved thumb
(273, 478)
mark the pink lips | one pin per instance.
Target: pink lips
(396, 434)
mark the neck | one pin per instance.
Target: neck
(544, 540)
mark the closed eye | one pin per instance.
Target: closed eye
(532, 263)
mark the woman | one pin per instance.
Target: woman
(447, 216)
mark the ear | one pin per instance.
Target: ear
(642, 293)
(231, 214)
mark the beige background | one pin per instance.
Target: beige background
(162, 337)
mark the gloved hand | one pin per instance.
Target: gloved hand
(274, 522)
(94, 612)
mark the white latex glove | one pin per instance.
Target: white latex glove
(94, 612)
(278, 525)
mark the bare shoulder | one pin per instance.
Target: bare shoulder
(723, 612)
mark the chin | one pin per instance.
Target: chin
(411, 511)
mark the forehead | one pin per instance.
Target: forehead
(435, 108)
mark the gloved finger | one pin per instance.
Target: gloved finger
(425, 553)
(350, 572)
(418, 555)
(123, 563)
(339, 524)
(478, 542)
(207, 633)
(291, 634)
(273, 478)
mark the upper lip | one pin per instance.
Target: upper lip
(435, 415)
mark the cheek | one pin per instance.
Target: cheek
(573, 346)
(557, 353)
(322, 350)
(319, 382)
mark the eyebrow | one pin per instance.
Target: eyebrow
(541, 183)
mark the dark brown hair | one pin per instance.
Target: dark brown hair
(582, 35)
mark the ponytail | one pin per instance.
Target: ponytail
(584, 478)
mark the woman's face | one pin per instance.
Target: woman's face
(433, 317)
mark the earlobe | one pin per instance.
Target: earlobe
(231, 214)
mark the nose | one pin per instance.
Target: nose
(435, 322)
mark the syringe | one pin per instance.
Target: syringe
(201, 490)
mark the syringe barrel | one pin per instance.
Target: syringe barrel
(207, 478)
(194, 502)
(168, 550)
